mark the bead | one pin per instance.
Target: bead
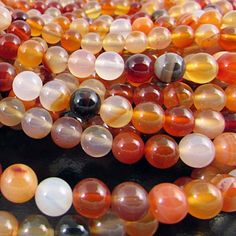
(230, 93)
(91, 198)
(135, 38)
(204, 199)
(166, 21)
(71, 40)
(18, 183)
(27, 85)
(8, 224)
(7, 74)
(100, 26)
(109, 65)
(113, 42)
(53, 11)
(227, 38)
(36, 225)
(130, 201)
(209, 96)
(148, 117)
(11, 111)
(230, 121)
(128, 147)
(169, 67)
(54, 96)
(208, 122)
(143, 24)
(182, 181)
(81, 63)
(196, 150)
(121, 26)
(72, 225)
(53, 197)
(21, 29)
(107, 225)
(6, 19)
(30, 54)
(66, 132)
(139, 68)
(225, 146)
(116, 111)
(182, 36)
(206, 173)
(52, 33)
(92, 9)
(19, 15)
(200, 68)
(42, 42)
(96, 141)
(92, 42)
(36, 25)
(229, 19)
(211, 17)
(161, 151)
(178, 94)
(63, 21)
(80, 25)
(179, 121)
(168, 203)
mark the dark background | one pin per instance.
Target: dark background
(73, 165)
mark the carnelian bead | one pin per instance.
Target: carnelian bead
(36, 24)
(108, 7)
(166, 21)
(211, 17)
(143, 24)
(230, 93)
(206, 173)
(63, 21)
(99, 26)
(7, 75)
(228, 38)
(182, 36)
(21, 29)
(71, 40)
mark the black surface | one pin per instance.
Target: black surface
(47, 160)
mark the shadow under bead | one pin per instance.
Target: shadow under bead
(85, 103)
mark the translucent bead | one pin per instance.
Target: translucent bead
(92, 9)
(53, 11)
(42, 42)
(37, 123)
(52, 33)
(36, 24)
(27, 85)
(135, 38)
(182, 36)
(7, 75)
(80, 25)
(143, 24)
(116, 111)
(71, 40)
(229, 19)
(109, 65)
(96, 141)
(8, 224)
(6, 19)
(92, 42)
(121, 26)
(196, 150)
(53, 197)
(81, 63)
(114, 42)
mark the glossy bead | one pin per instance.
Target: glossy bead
(36, 25)
(27, 85)
(116, 111)
(96, 141)
(209, 96)
(66, 132)
(7, 74)
(227, 38)
(161, 151)
(148, 117)
(182, 36)
(201, 196)
(52, 33)
(211, 17)
(168, 203)
(36, 225)
(148, 93)
(6, 19)
(81, 63)
(169, 67)
(21, 29)
(179, 121)
(92, 42)
(205, 173)
(55, 59)
(121, 26)
(128, 147)
(72, 225)
(208, 122)
(196, 150)
(139, 68)
(225, 146)
(229, 19)
(42, 42)
(91, 198)
(113, 42)
(30, 54)
(8, 224)
(178, 94)
(18, 183)
(11, 111)
(80, 25)
(107, 225)
(136, 38)
(200, 68)
(53, 197)
(100, 26)
(230, 93)
(143, 24)
(54, 96)
(71, 40)
(130, 201)
(168, 22)
(109, 65)
(53, 11)
(92, 9)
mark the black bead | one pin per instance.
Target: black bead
(85, 103)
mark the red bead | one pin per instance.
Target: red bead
(7, 75)
(182, 181)
(21, 29)
(40, 6)
(55, 4)
(70, 7)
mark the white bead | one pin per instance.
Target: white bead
(121, 26)
(5, 17)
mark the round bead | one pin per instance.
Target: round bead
(130, 201)
(92, 42)
(109, 65)
(206, 173)
(7, 74)
(169, 67)
(21, 29)
(18, 183)
(96, 141)
(182, 36)
(37, 123)
(143, 24)
(81, 63)
(36, 25)
(6, 19)
(230, 93)
(80, 25)
(27, 85)
(71, 40)
(227, 40)
(53, 197)
(114, 42)
(196, 150)
(91, 198)
(161, 151)
(168, 203)
(66, 132)
(135, 38)
(121, 26)
(204, 199)
(116, 111)
(8, 224)
(52, 33)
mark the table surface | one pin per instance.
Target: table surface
(73, 165)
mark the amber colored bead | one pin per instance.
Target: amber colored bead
(230, 93)
(211, 17)
(114, 42)
(228, 38)
(182, 36)
(8, 224)
(71, 40)
(52, 33)
(161, 151)
(206, 173)
(36, 24)
(143, 24)
(7, 75)
(108, 7)
(166, 21)
(63, 21)
(99, 26)
(22, 5)
(188, 19)
(21, 29)
(179, 121)
(128, 147)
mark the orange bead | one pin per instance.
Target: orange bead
(206, 173)
(166, 21)
(63, 21)
(36, 24)
(8, 224)
(182, 36)
(71, 40)
(228, 38)
(108, 7)
(99, 26)
(143, 24)
(230, 93)
(211, 17)
(188, 19)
